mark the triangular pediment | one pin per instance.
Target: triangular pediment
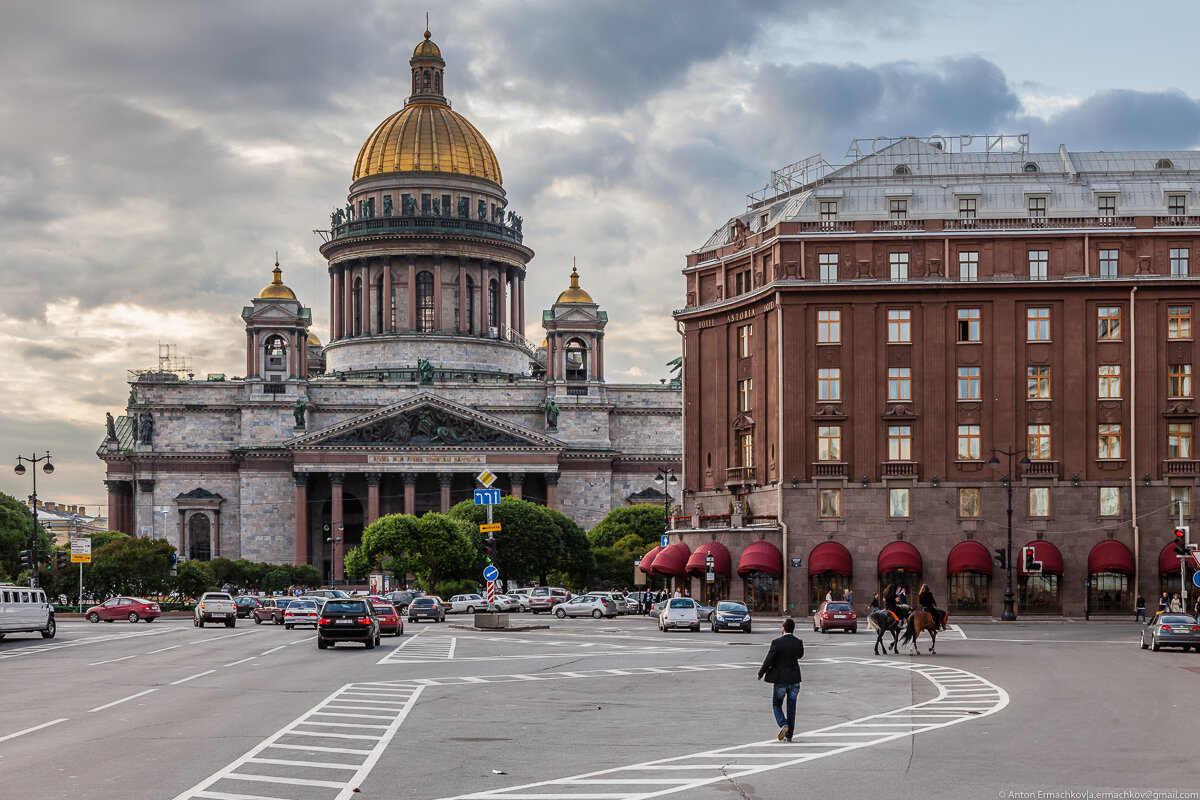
(261, 314)
(574, 314)
(426, 421)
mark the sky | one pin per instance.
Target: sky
(154, 157)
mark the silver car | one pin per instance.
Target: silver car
(1167, 629)
(301, 612)
(586, 605)
(617, 598)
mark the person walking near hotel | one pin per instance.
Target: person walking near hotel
(1139, 608)
(1176, 605)
(781, 667)
(1162, 603)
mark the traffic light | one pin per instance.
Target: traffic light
(999, 557)
(1027, 553)
(60, 559)
(489, 549)
(26, 558)
(1181, 537)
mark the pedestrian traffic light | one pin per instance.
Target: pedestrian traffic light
(1000, 560)
(489, 549)
(60, 559)
(1180, 537)
(1028, 555)
(26, 558)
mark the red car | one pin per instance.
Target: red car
(835, 615)
(130, 608)
(389, 620)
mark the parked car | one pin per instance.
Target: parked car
(347, 620)
(731, 614)
(835, 615)
(301, 612)
(430, 607)
(586, 605)
(390, 620)
(400, 599)
(706, 612)
(521, 601)
(272, 609)
(246, 605)
(545, 598)
(326, 593)
(1171, 630)
(130, 608)
(505, 603)
(680, 612)
(656, 608)
(618, 599)
(467, 604)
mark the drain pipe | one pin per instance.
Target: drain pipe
(1133, 486)
(779, 405)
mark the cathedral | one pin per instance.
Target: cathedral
(430, 375)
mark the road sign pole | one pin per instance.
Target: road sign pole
(80, 597)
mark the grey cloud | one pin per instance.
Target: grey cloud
(1122, 119)
(47, 352)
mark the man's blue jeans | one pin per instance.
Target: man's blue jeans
(790, 690)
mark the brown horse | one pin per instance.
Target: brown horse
(920, 621)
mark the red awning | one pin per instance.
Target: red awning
(1044, 552)
(671, 560)
(1110, 556)
(969, 557)
(899, 556)
(829, 557)
(721, 559)
(1168, 562)
(648, 560)
(761, 557)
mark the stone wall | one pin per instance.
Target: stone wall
(443, 352)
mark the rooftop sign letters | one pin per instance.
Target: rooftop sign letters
(963, 143)
(416, 459)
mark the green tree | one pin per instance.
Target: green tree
(138, 567)
(357, 563)
(16, 527)
(253, 573)
(576, 561)
(192, 578)
(614, 565)
(529, 544)
(104, 537)
(433, 547)
(645, 520)
(229, 572)
(305, 575)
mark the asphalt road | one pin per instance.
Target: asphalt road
(587, 709)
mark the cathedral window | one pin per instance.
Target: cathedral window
(356, 302)
(377, 304)
(576, 358)
(464, 325)
(493, 301)
(425, 308)
(425, 81)
(437, 82)
(199, 548)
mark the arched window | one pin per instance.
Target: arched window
(902, 170)
(198, 532)
(437, 82)
(425, 315)
(493, 304)
(356, 302)
(1031, 167)
(464, 325)
(377, 305)
(576, 360)
(425, 81)
(416, 82)
(276, 353)
(1164, 163)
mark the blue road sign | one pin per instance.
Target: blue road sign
(491, 573)
(487, 497)
(1196, 578)
(664, 541)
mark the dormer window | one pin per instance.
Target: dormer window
(1106, 205)
(968, 207)
(898, 208)
(901, 171)
(1037, 207)
(1177, 205)
(1031, 167)
(762, 220)
(1164, 163)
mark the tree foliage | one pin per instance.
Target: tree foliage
(131, 566)
(433, 547)
(645, 520)
(16, 527)
(614, 564)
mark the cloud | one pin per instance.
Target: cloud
(1122, 119)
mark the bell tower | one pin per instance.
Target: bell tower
(575, 339)
(276, 334)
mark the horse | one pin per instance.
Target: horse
(917, 622)
(883, 621)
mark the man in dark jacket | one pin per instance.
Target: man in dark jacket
(782, 668)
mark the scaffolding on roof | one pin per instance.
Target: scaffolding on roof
(791, 177)
(171, 366)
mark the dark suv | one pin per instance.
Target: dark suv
(344, 620)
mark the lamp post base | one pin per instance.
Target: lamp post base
(1009, 615)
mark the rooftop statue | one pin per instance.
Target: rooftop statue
(424, 371)
(111, 425)
(551, 414)
(298, 412)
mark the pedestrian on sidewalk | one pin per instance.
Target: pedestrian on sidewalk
(1162, 603)
(781, 667)
(1176, 605)
(1139, 608)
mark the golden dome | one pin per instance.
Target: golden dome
(427, 137)
(275, 290)
(574, 294)
(427, 48)
(314, 339)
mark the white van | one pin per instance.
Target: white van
(23, 610)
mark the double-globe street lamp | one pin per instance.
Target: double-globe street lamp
(1009, 615)
(47, 468)
(665, 480)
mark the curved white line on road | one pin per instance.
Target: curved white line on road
(962, 696)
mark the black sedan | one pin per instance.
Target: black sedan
(344, 620)
(246, 605)
(730, 615)
(1171, 630)
(427, 608)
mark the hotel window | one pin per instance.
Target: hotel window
(745, 394)
(898, 503)
(1110, 501)
(1179, 262)
(968, 266)
(747, 449)
(829, 326)
(829, 267)
(1038, 261)
(898, 208)
(1179, 380)
(899, 326)
(968, 383)
(1037, 380)
(829, 210)
(899, 443)
(968, 443)
(968, 325)
(1181, 501)
(1177, 205)
(1179, 322)
(899, 266)
(1179, 440)
(745, 340)
(1110, 441)
(829, 443)
(1108, 263)
(1037, 324)
(1037, 207)
(1037, 442)
(1039, 501)
(1108, 322)
(968, 503)
(829, 383)
(967, 207)
(831, 503)
(1109, 382)
(899, 384)
(1106, 205)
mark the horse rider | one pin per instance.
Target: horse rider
(889, 602)
(925, 599)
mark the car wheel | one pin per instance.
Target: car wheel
(470, 609)
(377, 640)
(195, 622)
(1154, 645)
(257, 619)
(133, 617)
(93, 617)
(370, 643)
(747, 629)
(50, 629)
(231, 623)
(322, 644)
(108, 620)
(287, 627)
(277, 620)
(1143, 643)
(560, 614)
(696, 628)
(151, 619)
(823, 629)
(596, 614)
(814, 627)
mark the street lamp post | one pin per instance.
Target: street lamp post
(47, 468)
(1009, 615)
(665, 480)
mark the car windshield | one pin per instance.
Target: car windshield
(422, 601)
(837, 607)
(346, 606)
(302, 605)
(681, 603)
(382, 609)
(730, 606)
(1177, 619)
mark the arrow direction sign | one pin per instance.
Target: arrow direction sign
(491, 527)
(491, 573)
(487, 497)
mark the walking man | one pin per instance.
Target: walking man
(1139, 609)
(781, 667)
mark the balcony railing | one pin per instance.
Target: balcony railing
(374, 226)
(883, 225)
(898, 469)
(739, 475)
(830, 469)
(1042, 469)
(1180, 466)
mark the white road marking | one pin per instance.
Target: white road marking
(192, 677)
(433, 649)
(45, 647)
(163, 649)
(219, 638)
(421, 650)
(243, 661)
(112, 660)
(34, 728)
(122, 700)
(273, 649)
(302, 641)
